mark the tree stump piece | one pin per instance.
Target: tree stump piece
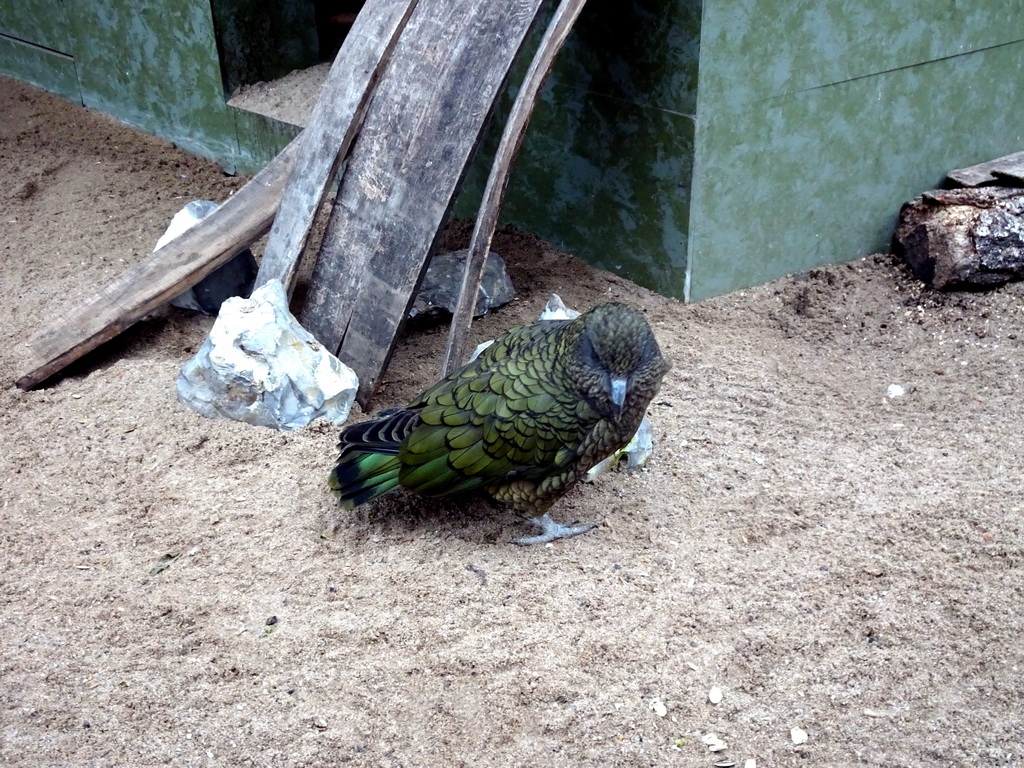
(964, 238)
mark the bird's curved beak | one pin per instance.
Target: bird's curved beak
(618, 393)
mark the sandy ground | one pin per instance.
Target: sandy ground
(833, 559)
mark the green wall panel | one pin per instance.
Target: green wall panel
(644, 52)
(260, 138)
(626, 211)
(262, 40)
(757, 49)
(154, 66)
(818, 176)
(40, 22)
(40, 66)
(35, 44)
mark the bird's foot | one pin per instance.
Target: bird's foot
(551, 530)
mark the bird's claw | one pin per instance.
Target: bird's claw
(551, 530)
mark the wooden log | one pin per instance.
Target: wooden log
(405, 168)
(512, 138)
(241, 219)
(329, 133)
(960, 239)
(1007, 170)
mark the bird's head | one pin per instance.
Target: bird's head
(619, 364)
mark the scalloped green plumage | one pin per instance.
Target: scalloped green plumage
(525, 420)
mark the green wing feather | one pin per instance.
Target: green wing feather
(524, 420)
(503, 415)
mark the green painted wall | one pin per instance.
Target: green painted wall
(755, 49)
(605, 169)
(153, 65)
(701, 147)
(40, 66)
(695, 146)
(260, 40)
(42, 22)
(817, 120)
(35, 39)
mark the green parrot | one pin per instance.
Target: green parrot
(524, 421)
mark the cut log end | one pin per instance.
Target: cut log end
(964, 239)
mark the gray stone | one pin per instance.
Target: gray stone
(964, 238)
(440, 287)
(260, 366)
(235, 278)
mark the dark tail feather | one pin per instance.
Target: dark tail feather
(368, 463)
(360, 476)
(383, 434)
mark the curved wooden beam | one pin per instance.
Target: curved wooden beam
(487, 219)
(330, 131)
(419, 135)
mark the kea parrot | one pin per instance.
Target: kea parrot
(524, 421)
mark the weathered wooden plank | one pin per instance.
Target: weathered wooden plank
(487, 219)
(422, 128)
(329, 133)
(241, 219)
(994, 171)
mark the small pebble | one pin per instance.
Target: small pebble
(715, 695)
(714, 743)
(798, 735)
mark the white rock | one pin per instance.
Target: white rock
(555, 309)
(260, 366)
(714, 743)
(636, 453)
(715, 695)
(798, 735)
(480, 348)
(894, 390)
(184, 220)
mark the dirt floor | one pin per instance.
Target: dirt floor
(833, 559)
